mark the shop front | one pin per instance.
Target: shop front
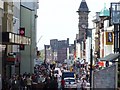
(11, 59)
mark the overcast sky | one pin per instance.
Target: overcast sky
(58, 19)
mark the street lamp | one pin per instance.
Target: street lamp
(89, 32)
(91, 62)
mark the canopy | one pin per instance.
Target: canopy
(111, 57)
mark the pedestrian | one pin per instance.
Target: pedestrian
(87, 77)
(63, 84)
(10, 83)
(29, 82)
(83, 85)
(78, 85)
(23, 83)
(55, 84)
(15, 83)
(51, 83)
(47, 84)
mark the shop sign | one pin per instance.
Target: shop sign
(11, 56)
(109, 38)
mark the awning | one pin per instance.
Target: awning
(111, 57)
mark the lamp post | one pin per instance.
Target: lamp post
(89, 33)
(91, 62)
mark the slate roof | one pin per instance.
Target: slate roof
(83, 7)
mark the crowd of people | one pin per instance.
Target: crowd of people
(30, 82)
(18, 82)
(42, 79)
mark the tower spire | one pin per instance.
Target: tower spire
(83, 1)
(83, 7)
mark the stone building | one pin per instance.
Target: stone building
(58, 50)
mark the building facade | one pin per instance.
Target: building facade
(106, 51)
(57, 51)
(28, 21)
(103, 28)
(14, 35)
(11, 38)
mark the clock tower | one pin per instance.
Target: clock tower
(83, 12)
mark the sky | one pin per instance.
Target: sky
(58, 19)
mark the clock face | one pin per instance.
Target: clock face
(83, 26)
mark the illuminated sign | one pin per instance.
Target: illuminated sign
(22, 33)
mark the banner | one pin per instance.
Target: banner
(109, 38)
